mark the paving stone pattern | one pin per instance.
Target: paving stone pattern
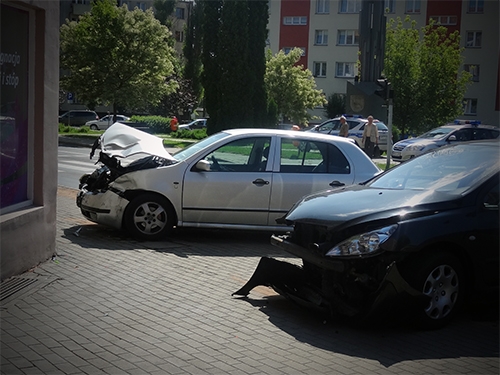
(113, 305)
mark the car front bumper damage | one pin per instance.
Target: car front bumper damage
(103, 207)
(391, 296)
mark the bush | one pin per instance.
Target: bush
(190, 134)
(157, 124)
(75, 130)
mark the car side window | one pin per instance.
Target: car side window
(484, 134)
(463, 135)
(303, 156)
(242, 155)
(329, 126)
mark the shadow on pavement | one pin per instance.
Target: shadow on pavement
(473, 335)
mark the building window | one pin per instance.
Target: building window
(80, 1)
(349, 6)
(389, 6)
(288, 49)
(294, 21)
(470, 106)
(179, 36)
(474, 70)
(444, 20)
(322, 6)
(348, 38)
(141, 5)
(473, 39)
(321, 37)
(179, 13)
(319, 69)
(412, 6)
(476, 6)
(345, 69)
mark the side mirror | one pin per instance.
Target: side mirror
(203, 165)
(452, 138)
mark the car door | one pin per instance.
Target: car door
(236, 189)
(302, 167)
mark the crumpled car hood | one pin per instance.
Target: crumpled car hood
(357, 202)
(121, 141)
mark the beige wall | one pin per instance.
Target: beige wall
(27, 234)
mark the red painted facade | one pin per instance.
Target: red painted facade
(295, 35)
(444, 8)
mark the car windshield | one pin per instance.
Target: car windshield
(197, 146)
(452, 170)
(436, 133)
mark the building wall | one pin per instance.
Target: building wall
(29, 136)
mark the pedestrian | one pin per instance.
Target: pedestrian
(344, 127)
(173, 124)
(370, 137)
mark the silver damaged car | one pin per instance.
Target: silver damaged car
(238, 178)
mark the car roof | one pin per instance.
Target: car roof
(287, 133)
(463, 126)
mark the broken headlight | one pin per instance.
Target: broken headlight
(364, 243)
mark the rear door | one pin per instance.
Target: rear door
(303, 167)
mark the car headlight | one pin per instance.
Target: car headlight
(415, 147)
(364, 243)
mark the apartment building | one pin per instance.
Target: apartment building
(328, 33)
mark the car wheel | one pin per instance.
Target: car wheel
(149, 217)
(93, 127)
(439, 277)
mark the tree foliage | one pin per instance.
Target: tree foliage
(335, 105)
(292, 87)
(116, 56)
(233, 35)
(424, 68)
(163, 11)
(192, 53)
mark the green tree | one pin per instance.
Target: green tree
(292, 87)
(117, 56)
(163, 10)
(424, 68)
(335, 105)
(233, 43)
(192, 51)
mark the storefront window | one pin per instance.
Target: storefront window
(14, 135)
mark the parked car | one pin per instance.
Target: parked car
(196, 124)
(77, 117)
(356, 127)
(443, 135)
(417, 240)
(239, 178)
(105, 122)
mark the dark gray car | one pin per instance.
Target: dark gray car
(77, 117)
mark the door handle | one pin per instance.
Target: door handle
(260, 182)
(336, 183)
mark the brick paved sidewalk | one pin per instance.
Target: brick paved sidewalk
(110, 305)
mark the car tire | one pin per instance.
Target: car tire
(94, 127)
(149, 217)
(439, 276)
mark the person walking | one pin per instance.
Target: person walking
(370, 137)
(344, 127)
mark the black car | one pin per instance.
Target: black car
(421, 238)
